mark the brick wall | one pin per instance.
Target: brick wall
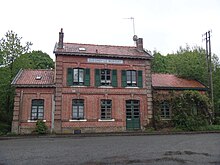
(22, 108)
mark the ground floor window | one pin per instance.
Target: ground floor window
(37, 109)
(78, 109)
(165, 110)
(106, 109)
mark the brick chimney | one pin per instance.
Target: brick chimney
(139, 44)
(61, 35)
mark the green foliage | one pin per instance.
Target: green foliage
(4, 128)
(41, 127)
(33, 60)
(11, 47)
(217, 120)
(189, 109)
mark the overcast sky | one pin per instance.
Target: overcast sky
(164, 25)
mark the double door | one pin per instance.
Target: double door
(132, 114)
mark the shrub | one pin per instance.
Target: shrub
(41, 127)
(217, 121)
(4, 128)
(190, 110)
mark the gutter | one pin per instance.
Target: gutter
(179, 88)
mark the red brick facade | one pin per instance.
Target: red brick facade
(22, 122)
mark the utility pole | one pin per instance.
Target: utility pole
(209, 66)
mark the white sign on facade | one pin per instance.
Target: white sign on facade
(106, 61)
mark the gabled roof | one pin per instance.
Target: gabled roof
(34, 78)
(101, 51)
(170, 81)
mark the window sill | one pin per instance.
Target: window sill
(77, 86)
(106, 120)
(132, 87)
(103, 86)
(78, 120)
(34, 121)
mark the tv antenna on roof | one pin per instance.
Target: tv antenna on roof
(132, 18)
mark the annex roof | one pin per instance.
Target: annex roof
(101, 50)
(34, 78)
(170, 81)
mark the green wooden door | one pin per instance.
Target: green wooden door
(132, 114)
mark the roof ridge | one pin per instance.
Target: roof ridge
(100, 45)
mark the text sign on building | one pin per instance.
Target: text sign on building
(106, 61)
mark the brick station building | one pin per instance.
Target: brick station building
(94, 88)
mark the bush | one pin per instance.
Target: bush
(217, 121)
(189, 122)
(41, 127)
(191, 111)
(4, 128)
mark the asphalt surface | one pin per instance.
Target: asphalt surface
(112, 150)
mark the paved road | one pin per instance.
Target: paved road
(113, 150)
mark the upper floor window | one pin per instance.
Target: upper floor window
(78, 76)
(105, 77)
(132, 78)
(78, 109)
(37, 109)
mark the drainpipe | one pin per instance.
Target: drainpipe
(52, 114)
(20, 111)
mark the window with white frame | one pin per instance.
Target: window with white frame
(165, 110)
(78, 109)
(37, 109)
(131, 76)
(106, 109)
(105, 77)
(78, 76)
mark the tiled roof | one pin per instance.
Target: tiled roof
(34, 78)
(102, 50)
(166, 81)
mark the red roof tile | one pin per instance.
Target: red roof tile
(39, 77)
(102, 50)
(172, 81)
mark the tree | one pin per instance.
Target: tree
(191, 63)
(216, 84)
(33, 60)
(11, 47)
(159, 63)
